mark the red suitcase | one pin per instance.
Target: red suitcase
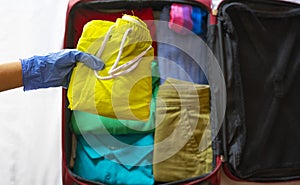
(243, 105)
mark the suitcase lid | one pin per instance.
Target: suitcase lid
(260, 58)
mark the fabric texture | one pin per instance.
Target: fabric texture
(182, 137)
(186, 18)
(180, 18)
(122, 159)
(125, 96)
(84, 122)
(198, 17)
(174, 62)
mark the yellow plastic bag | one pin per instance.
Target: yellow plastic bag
(123, 88)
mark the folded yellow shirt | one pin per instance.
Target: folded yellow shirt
(126, 93)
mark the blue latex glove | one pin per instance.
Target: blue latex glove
(54, 69)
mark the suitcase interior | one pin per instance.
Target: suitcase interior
(78, 15)
(259, 54)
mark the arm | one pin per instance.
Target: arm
(51, 70)
(10, 75)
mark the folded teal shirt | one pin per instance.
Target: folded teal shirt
(119, 159)
(83, 122)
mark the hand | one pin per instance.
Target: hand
(54, 69)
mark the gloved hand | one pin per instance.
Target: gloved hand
(54, 69)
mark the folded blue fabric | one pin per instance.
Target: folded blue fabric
(119, 159)
(198, 15)
(175, 62)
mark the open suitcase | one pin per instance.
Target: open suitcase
(254, 90)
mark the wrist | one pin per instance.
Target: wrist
(31, 74)
(11, 75)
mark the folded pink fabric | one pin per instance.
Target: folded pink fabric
(180, 18)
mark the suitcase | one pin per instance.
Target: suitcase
(252, 72)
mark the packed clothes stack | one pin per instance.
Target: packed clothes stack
(114, 142)
(128, 118)
(114, 151)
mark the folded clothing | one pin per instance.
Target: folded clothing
(122, 159)
(182, 136)
(122, 89)
(177, 62)
(185, 19)
(83, 122)
(180, 18)
(198, 16)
